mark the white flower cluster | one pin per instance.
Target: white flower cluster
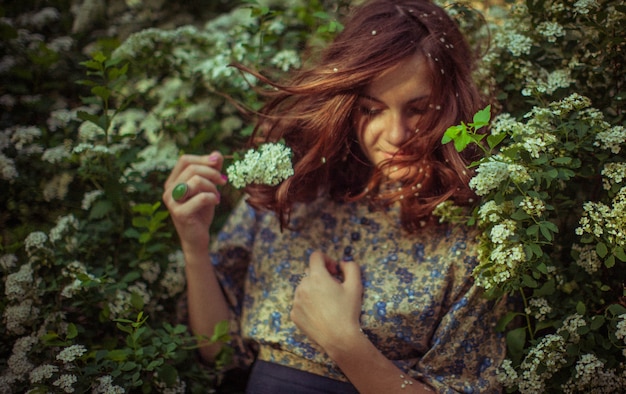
(174, 277)
(583, 7)
(573, 102)
(269, 165)
(491, 211)
(286, 60)
(539, 308)
(75, 271)
(35, 241)
(542, 361)
(547, 83)
(506, 123)
(56, 154)
(533, 206)
(570, 327)
(42, 372)
(613, 174)
(592, 376)
(150, 271)
(491, 173)
(612, 139)
(538, 144)
(71, 353)
(620, 331)
(64, 224)
(66, 382)
(18, 317)
(161, 156)
(23, 137)
(517, 44)
(605, 222)
(488, 176)
(121, 304)
(58, 186)
(19, 364)
(500, 233)
(587, 259)
(7, 261)
(550, 30)
(18, 283)
(8, 171)
(89, 198)
(106, 386)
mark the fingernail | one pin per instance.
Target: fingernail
(219, 197)
(224, 177)
(213, 157)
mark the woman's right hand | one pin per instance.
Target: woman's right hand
(193, 214)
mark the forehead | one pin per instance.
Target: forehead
(409, 75)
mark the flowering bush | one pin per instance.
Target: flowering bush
(92, 273)
(553, 193)
(90, 269)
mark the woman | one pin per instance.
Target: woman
(339, 280)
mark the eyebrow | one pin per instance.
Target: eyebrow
(412, 101)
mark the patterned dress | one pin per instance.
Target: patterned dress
(420, 306)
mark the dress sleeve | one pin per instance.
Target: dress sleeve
(230, 253)
(465, 350)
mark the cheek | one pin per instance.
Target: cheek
(367, 140)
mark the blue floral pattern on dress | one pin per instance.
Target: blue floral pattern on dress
(421, 308)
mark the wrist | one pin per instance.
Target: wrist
(348, 345)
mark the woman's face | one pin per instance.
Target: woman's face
(389, 111)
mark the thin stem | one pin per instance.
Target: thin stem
(528, 323)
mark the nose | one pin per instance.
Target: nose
(398, 130)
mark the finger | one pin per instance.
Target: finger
(351, 274)
(317, 263)
(204, 171)
(195, 185)
(214, 160)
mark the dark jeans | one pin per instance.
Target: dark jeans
(270, 378)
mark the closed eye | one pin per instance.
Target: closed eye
(417, 110)
(369, 111)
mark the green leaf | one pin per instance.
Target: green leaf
(545, 231)
(528, 281)
(124, 328)
(547, 289)
(86, 116)
(102, 92)
(495, 140)
(221, 331)
(609, 262)
(141, 222)
(515, 340)
(168, 374)
(619, 253)
(117, 355)
(601, 249)
(597, 322)
(72, 331)
(581, 308)
(482, 117)
(452, 133)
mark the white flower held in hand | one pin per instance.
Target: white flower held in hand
(269, 165)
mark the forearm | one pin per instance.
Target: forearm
(206, 302)
(369, 370)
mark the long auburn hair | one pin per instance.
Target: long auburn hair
(316, 115)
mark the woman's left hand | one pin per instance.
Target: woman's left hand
(326, 309)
